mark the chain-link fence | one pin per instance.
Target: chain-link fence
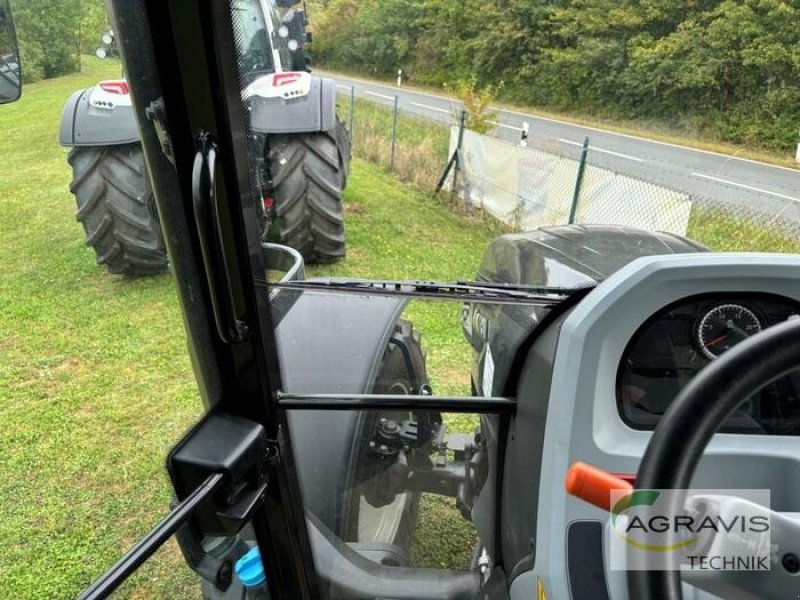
(413, 147)
(528, 180)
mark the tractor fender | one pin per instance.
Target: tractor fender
(331, 343)
(307, 107)
(85, 123)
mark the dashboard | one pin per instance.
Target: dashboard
(676, 343)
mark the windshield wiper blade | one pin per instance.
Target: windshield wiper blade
(482, 292)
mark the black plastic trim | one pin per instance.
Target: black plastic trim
(587, 576)
(510, 386)
(182, 51)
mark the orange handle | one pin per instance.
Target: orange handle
(593, 485)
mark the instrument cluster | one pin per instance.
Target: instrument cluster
(674, 345)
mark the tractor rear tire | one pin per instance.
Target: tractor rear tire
(308, 173)
(116, 209)
(396, 375)
(399, 373)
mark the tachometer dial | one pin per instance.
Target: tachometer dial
(724, 326)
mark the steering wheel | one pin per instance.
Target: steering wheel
(696, 414)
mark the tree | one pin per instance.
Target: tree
(730, 67)
(50, 34)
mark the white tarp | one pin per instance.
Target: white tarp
(529, 188)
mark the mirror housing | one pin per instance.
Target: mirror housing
(10, 74)
(295, 22)
(108, 45)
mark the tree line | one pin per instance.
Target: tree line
(729, 69)
(53, 35)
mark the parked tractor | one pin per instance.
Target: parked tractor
(304, 156)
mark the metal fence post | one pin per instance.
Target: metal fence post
(457, 166)
(578, 181)
(453, 161)
(352, 110)
(462, 125)
(797, 154)
(394, 132)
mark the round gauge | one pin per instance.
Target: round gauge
(724, 326)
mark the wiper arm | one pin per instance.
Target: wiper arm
(482, 292)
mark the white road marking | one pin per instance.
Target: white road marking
(379, 95)
(511, 127)
(602, 151)
(372, 83)
(746, 187)
(428, 107)
(619, 154)
(570, 142)
(344, 87)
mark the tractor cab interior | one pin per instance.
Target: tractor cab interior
(416, 437)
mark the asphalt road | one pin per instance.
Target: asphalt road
(717, 176)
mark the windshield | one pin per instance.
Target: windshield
(281, 37)
(252, 39)
(374, 260)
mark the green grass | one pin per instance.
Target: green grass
(395, 234)
(721, 232)
(94, 378)
(421, 145)
(95, 381)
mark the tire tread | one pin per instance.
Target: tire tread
(116, 208)
(308, 174)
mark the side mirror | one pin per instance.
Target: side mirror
(108, 45)
(10, 76)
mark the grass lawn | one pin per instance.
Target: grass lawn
(421, 145)
(95, 381)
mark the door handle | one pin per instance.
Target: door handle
(231, 330)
